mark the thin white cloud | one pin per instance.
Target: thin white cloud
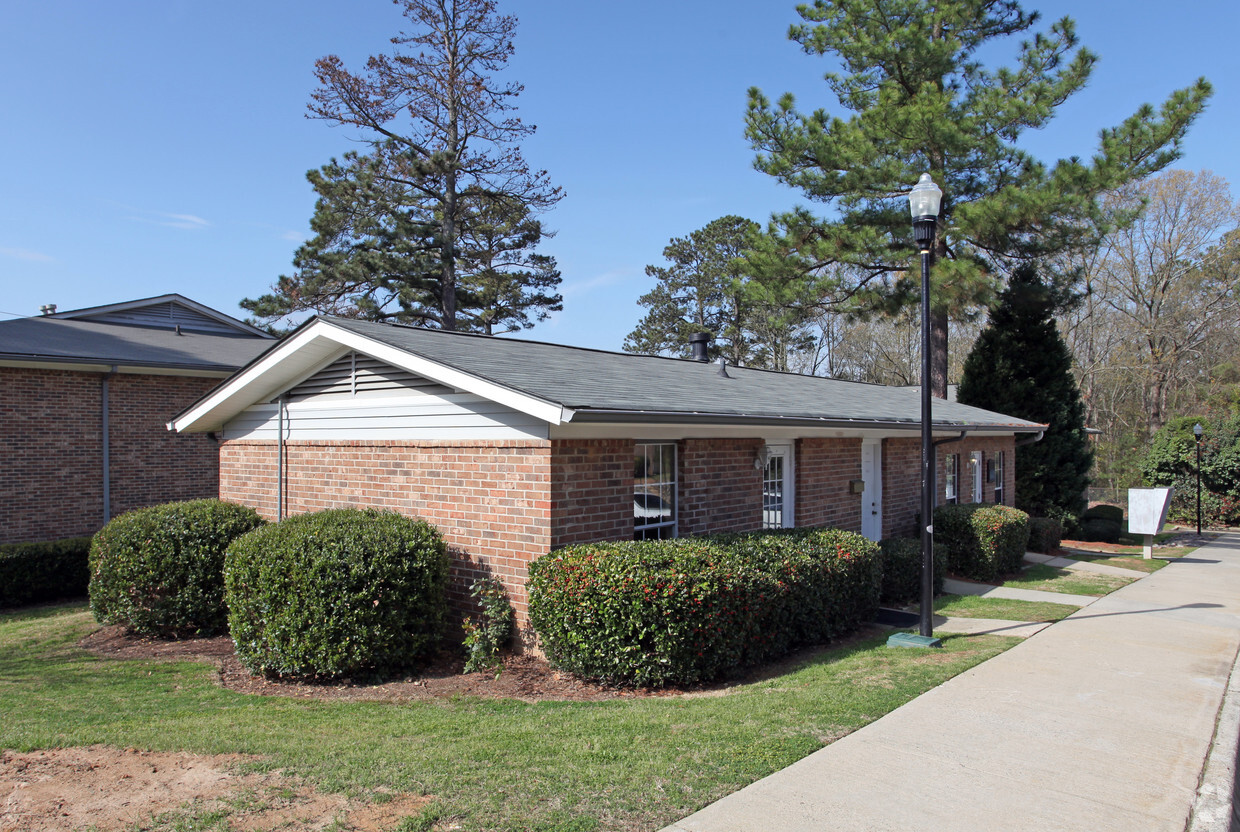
(294, 236)
(584, 287)
(27, 254)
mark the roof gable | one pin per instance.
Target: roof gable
(171, 311)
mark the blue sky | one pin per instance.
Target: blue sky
(162, 146)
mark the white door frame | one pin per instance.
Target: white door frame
(977, 463)
(783, 450)
(872, 492)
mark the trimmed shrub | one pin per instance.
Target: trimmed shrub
(160, 570)
(983, 541)
(1102, 511)
(1045, 534)
(682, 611)
(342, 592)
(1100, 530)
(33, 572)
(902, 569)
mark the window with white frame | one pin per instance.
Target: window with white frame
(773, 492)
(1000, 465)
(951, 478)
(654, 490)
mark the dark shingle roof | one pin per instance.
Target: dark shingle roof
(87, 342)
(620, 386)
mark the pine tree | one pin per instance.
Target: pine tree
(1021, 366)
(444, 163)
(922, 102)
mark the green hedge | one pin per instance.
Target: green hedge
(160, 570)
(1102, 511)
(343, 592)
(681, 611)
(1100, 530)
(983, 540)
(902, 569)
(1045, 534)
(33, 572)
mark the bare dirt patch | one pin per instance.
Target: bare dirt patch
(109, 790)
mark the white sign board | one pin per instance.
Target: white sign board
(1147, 509)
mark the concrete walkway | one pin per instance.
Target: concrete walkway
(1084, 566)
(1102, 721)
(955, 587)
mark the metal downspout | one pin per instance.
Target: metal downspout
(280, 460)
(107, 445)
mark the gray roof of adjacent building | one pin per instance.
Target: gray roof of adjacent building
(57, 340)
(608, 386)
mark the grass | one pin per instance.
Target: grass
(973, 606)
(1052, 579)
(625, 764)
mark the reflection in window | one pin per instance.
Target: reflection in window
(654, 491)
(999, 475)
(773, 493)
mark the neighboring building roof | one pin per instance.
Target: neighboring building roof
(168, 333)
(569, 384)
(166, 312)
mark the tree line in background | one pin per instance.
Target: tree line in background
(436, 223)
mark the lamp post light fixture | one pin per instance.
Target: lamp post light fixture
(923, 203)
(1197, 431)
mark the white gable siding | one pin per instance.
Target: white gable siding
(358, 397)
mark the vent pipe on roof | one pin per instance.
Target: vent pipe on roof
(48, 309)
(723, 367)
(699, 342)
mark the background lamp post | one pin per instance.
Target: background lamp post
(1197, 431)
(923, 203)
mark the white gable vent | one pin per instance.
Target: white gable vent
(355, 375)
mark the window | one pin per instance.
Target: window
(654, 491)
(976, 466)
(773, 493)
(999, 471)
(951, 480)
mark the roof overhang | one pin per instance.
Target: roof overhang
(84, 365)
(319, 342)
(591, 416)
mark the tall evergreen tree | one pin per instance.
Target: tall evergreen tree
(1021, 366)
(922, 102)
(706, 288)
(444, 155)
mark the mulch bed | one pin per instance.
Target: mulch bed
(525, 677)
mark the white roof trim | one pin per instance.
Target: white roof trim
(320, 343)
(172, 297)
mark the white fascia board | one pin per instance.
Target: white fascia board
(260, 381)
(321, 343)
(551, 412)
(107, 367)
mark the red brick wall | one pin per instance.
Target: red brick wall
(490, 499)
(51, 449)
(823, 470)
(591, 490)
(902, 477)
(720, 490)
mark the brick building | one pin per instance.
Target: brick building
(514, 448)
(84, 399)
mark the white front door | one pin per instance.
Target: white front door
(979, 476)
(872, 493)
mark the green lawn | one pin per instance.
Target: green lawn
(1051, 579)
(973, 606)
(633, 764)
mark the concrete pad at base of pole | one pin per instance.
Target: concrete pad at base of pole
(912, 640)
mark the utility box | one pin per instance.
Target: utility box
(1147, 511)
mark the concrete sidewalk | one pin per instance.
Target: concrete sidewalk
(1100, 722)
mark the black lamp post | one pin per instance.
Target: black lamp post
(923, 203)
(1197, 431)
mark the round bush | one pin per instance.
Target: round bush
(983, 540)
(1102, 511)
(1100, 530)
(1045, 534)
(902, 569)
(160, 570)
(343, 592)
